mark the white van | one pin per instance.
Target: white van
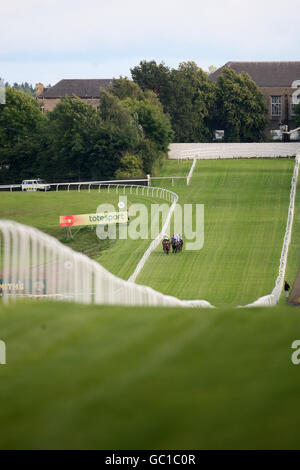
(35, 185)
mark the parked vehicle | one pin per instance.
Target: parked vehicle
(35, 185)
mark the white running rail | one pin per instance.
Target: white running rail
(273, 298)
(37, 265)
(191, 171)
(155, 242)
(77, 186)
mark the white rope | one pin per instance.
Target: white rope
(191, 171)
(273, 298)
(155, 242)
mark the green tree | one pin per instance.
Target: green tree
(125, 88)
(131, 166)
(157, 132)
(212, 69)
(152, 76)
(240, 108)
(19, 117)
(76, 142)
(191, 103)
(70, 135)
(154, 123)
(186, 94)
(20, 124)
(120, 132)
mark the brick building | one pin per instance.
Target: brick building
(279, 82)
(86, 89)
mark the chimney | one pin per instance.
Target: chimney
(39, 88)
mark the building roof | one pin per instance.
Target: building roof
(83, 88)
(265, 74)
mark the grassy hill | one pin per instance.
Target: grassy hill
(157, 378)
(246, 204)
(133, 378)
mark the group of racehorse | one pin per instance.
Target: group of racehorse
(176, 242)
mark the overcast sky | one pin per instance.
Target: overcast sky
(45, 41)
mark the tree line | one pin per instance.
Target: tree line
(197, 106)
(24, 86)
(129, 134)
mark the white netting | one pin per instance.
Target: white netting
(37, 265)
(155, 242)
(233, 150)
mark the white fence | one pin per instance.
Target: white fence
(37, 265)
(232, 150)
(155, 242)
(78, 185)
(191, 171)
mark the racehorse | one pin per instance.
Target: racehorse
(166, 246)
(180, 244)
(177, 245)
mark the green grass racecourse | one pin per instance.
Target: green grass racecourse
(246, 204)
(119, 378)
(157, 378)
(42, 210)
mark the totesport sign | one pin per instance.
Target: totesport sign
(93, 219)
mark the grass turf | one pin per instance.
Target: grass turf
(42, 210)
(134, 378)
(293, 261)
(124, 378)
(245, 215)
(246, 203)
